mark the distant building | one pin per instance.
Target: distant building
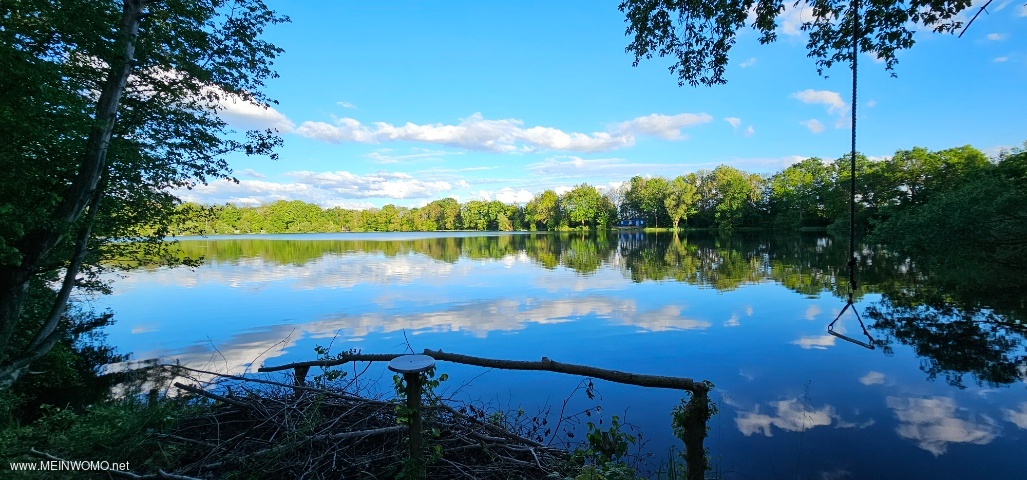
(632, 223)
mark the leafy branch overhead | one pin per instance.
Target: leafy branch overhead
(699, 34)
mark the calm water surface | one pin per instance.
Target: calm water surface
(944, 397)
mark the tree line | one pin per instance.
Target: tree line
(811, 194)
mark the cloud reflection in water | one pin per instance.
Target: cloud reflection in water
(933, 424)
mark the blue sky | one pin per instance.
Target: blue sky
(409, 102)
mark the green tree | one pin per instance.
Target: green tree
(736, 195)
(583, 204)
(698, 35)
(975, 234)
(446, 214)
(544, 210)
(798, 193)
(645, 197)
(105, 108)
(475, 215)
(681, 199)
(918, 173)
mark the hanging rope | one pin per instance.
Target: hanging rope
(852, 198)
(852, 156)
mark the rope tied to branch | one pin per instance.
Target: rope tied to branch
(852, 197)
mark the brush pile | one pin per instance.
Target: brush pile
(257, 428)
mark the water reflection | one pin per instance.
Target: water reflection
(792, 415)
(934, 423)
(748, 312)
(1017, 417)
(955, 326)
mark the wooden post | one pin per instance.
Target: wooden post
(299, 379)
(698, 410)
(411, 366)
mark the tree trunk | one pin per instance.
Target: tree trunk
(36, 246)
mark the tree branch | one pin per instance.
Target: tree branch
(655, 381)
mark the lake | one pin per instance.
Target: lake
(943, 396)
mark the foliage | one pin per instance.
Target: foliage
(645, 198)
(698, 35)
(682, 198)
(607, 446)
(124, 430)
(584, 204)
(543, 211)
(976, 230)
(329, 375)
(799, 194)
(105, 109)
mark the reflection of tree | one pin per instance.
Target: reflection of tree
(956, 335)
(724, 264)
(583, 255)
(956, 323)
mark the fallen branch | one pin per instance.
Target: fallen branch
(358, 433)
(654, 381)
(214, 396)
(271, 382)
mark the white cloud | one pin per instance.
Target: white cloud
(249, 172)
(933, 424)
(554, 139)
(236, 110)
(562, 189)
(1001, 59)
(666, 318)
(344, 130)
(1017, 417)
(748, 63)
(380, 185)
(749, 131)
(734, 121)
(791, 160)
(872, 378)
(872, 103)
(257, 192)
(505, 195)
(818, 342)
(385, 156)
(571, 168)
(664, 126)
(790, 415)
(790, 21)
(996, 36)
(833, 100)
(1001, 6)
(247, 115)
(813, 309)
(506, 135)
(509, 195)
(813, 125)
(345, 105)
(328, 189)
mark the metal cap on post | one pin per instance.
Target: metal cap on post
(411, 366)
